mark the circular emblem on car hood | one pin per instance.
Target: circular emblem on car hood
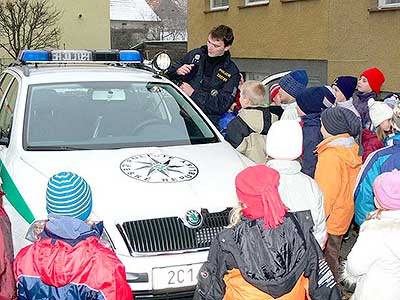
(193, 219)
(156, 168)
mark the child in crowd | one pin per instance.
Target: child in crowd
(336, 173)
(373, 263)
(266, 252)
(392, 100)
(310, 104)
(291, 86)
(246, 132)
(395, 123)
(7, 283)
(68, 260)
(380, 161)
(380, 114)
(368, 86)
(298, 191)
(275, 101)
(344, 87)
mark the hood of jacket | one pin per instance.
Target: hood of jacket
(286, 167)
(59, 258)
(273, 259)
(345, 147)
(258, 118)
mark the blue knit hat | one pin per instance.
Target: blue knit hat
(294, 83)
(313, 100)
(346, 84)
(69, 195)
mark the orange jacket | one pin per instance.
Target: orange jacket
(239, 289)
(336, 173)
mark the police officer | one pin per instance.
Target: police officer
(208, 74)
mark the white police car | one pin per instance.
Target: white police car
(162, 176)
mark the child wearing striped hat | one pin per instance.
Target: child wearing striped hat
(68, 260)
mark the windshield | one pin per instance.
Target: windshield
(104, 115)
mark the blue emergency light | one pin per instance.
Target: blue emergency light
(80, 56)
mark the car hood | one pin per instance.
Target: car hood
(131, 184)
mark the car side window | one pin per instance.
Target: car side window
(5, 81)
(7, 110)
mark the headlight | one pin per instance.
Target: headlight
(162, 61)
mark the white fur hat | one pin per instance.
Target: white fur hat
(379, 112)
(285, 140)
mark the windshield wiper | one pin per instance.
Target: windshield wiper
(57, 148)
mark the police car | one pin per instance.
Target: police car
(162, 176)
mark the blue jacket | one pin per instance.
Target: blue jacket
(311, 138)
(383, 160)
(214, 90)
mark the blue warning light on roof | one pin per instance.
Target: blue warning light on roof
(80, 56)
(130, 55)
(34, 55)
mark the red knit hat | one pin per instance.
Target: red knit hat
(375, 79)
(257, 188)
(273, 91)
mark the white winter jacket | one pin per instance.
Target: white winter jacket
(374, 261)
(300, 192)
(290, 112)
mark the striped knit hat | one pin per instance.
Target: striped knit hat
(69, 195)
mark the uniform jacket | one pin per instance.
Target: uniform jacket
(247, 132)
(311, 138)
(300, 192)
(7, 283)
(272, 260)
(213, 94)
(370, 142)
(374, 261)
(383, 160)
(70, 263)
(337, 169)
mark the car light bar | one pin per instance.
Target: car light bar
(80, 56)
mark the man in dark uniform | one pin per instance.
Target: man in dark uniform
(208, 74)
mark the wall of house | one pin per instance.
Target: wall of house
(329, 37)
(84, 24)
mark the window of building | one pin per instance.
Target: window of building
(252, 2)
(218, 4)
(389, 3)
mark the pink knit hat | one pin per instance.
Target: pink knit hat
(387, 190)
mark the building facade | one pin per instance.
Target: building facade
(83, 24)
(326, 37)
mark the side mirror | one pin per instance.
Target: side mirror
(4, 138)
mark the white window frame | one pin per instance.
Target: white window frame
(212, 7)
(248, 3)
(383, 4)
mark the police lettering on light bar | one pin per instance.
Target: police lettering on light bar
(73, 56)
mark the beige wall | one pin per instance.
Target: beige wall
(343, 32)
(91, 31)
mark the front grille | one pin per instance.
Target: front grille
(170, 234)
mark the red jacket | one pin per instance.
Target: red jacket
(7, 283)
(370, 143)
(57, 269)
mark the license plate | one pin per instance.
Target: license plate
(71, 55)
(175, 276)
